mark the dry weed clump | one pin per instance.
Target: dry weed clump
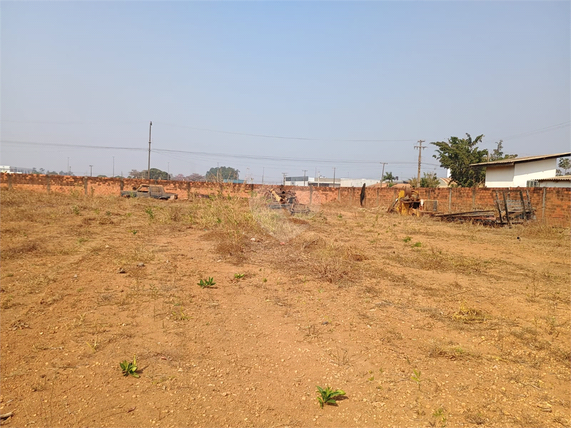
(277, 223)
(543, 231)
(230, 221)
(336, 264)
(451, 351)
(438, 260)
(21, 249)
(467, 314)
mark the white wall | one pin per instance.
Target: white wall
(555, 184)
(525, 171)
(357, 182)
(500, 176)
(517, 175)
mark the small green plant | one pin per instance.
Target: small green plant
(407, 239)
(134, 232)
(179, 316)
(129, 368)
(75, 210)
(439, 415)
(416, 377)
(265, 280)
(239, 275)
(150, 212)
(206, 283)
(327, 396)
(417, 244)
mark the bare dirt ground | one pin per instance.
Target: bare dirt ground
(420, 323)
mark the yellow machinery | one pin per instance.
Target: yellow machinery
(407, 203)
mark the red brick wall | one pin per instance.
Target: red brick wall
(556, 210)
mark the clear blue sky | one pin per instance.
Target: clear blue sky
(96, 73)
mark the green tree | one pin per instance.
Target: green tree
(389, 177)
(156, 174)
(498, 153)
(565, 165)
(222, 173)
(429, 179)
(136, 174)
(457, 154)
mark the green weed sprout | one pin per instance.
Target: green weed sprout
(327, 396)
(129, 368)
(206, 283)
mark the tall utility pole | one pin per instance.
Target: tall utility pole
(91, 170)
(149, 165)
(383, 172)
(263, 171)
(113, 166)
(419, 147)
(68, 165)
(334, 176)
(304, 175)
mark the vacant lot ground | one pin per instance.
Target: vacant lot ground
(421, 323)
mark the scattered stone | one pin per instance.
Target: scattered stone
(121, 270)
(140, 265)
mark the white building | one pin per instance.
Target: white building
(561, 181)
(328, 182)
(521, 172)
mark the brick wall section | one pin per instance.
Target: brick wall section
(556, 210)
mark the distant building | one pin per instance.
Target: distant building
(560, 181)
(328, 182)
(521, 172)
(15, 169)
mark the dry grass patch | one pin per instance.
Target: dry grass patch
(469, 315)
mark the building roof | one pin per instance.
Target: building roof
(558, 178)
(513, 161)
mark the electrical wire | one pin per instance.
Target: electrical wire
(212, 156)
(539, 131)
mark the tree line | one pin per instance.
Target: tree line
(215, 174)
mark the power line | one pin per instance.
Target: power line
(210, 154)
(248, 134)
(281, 137)
(540, 130)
